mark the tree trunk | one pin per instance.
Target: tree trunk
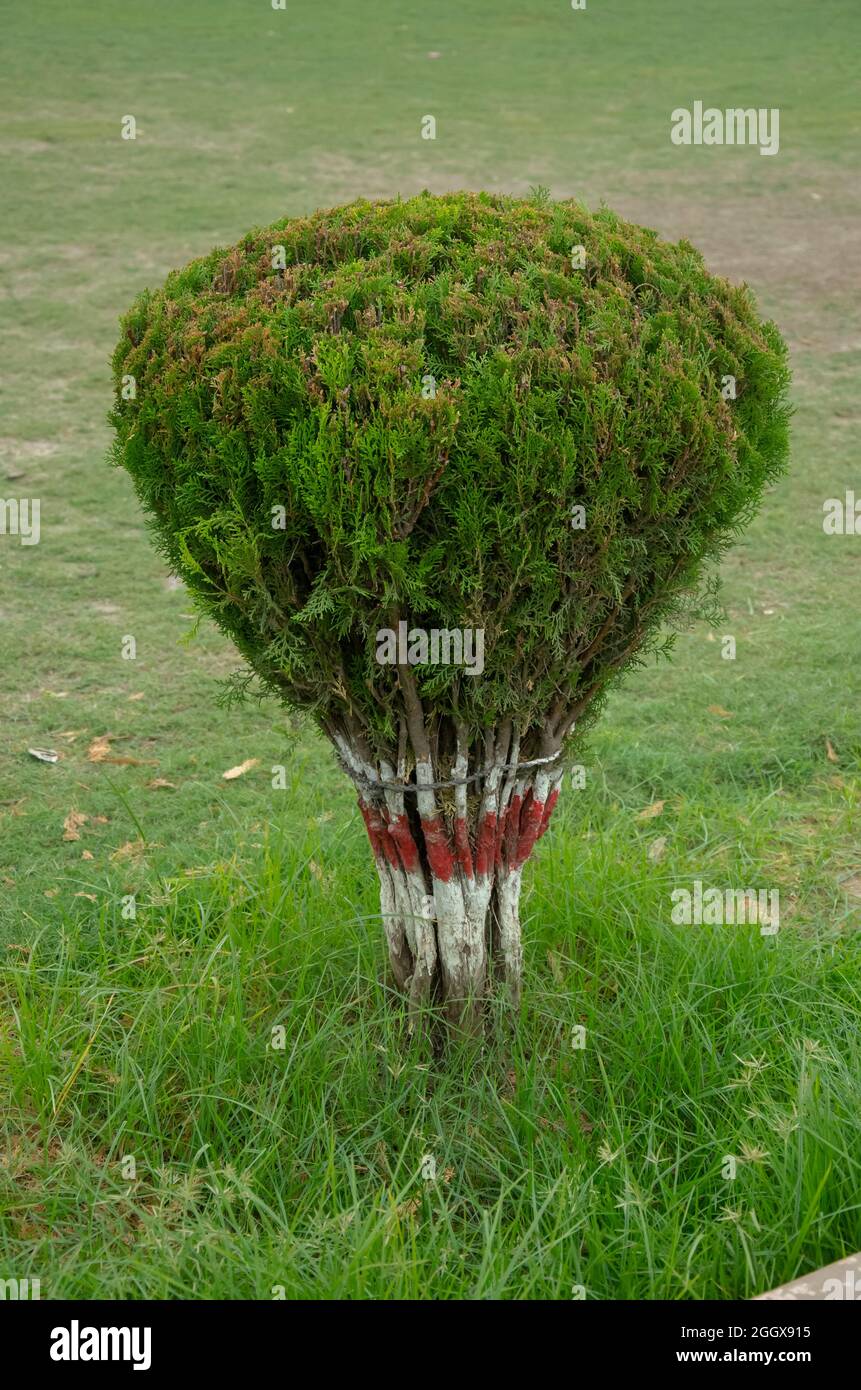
(449, 845)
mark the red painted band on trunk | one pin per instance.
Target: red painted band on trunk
(548, 812)
(512, 828)
(530, 825)
(437, 848)
(389, 846)
(373, 825)
(485, 849)
(461, 846)
(386, 843)
(500, 838)
(399, 830)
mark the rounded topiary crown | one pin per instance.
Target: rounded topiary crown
(469, 412)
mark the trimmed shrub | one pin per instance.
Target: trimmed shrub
(442, 469)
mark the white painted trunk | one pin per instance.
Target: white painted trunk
(462, 943)
(450, 866)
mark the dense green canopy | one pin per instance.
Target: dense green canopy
(389, 411)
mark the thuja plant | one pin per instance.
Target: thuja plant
(442, 469)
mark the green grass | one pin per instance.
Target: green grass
(556, 1167)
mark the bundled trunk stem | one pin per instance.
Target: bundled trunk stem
(449, 844)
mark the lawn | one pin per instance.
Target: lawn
(159, 1140)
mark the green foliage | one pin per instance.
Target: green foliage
(311, 389)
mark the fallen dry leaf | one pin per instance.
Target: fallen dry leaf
(51, 892)
(72, 825)
(158, 782)
(138, 695)
(720, 711)
(829, 752)
(657, 847)
(99, 748)
(132, 849)
(92, 897)
(649, 812)
(86, 854)
(232, 772)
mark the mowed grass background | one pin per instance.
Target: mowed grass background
(310, 1169)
